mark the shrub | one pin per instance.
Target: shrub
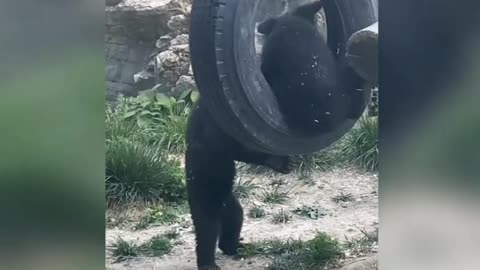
(139, 172)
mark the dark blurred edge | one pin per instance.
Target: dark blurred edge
(52, 140)
(429, 134)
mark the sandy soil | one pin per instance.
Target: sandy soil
(339, 219)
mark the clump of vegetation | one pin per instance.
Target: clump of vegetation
(278, 182)
(161, 119)
(157, 215)
(275, 195)
(157, 246)
(363, 245)
(319, 161)
(308, 211)
(281, 217)
(138, 172)
(123, 250)
(139, 166)
(343, 197)
(243, 189)
(296, 254)
(256, 212)
(360, 146)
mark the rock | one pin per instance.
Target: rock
(112, 2)
(144, 80)
(178, 23)
(369, 263)
(166, 59)
(183, 84)
(181, 39)
(132, 44)
(163, 42)
(190, 70)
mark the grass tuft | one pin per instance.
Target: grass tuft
(360, 146)
(256, 212)
(343, 197)
(363, 245)
(275, 195)
(296, 254)
(136, 172)
(123, 250)
(281, 217)
(243, 189)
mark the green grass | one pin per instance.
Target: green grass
(156, 246)
(360, 146)
(138, 172)
(295, 254)
(158, 215)
(281, 217)
(141, 134)
(256, 212)
(123, 250)
(243, 189)
(320, 161)
(275, 195)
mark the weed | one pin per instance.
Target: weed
(281, 217)
(296, 254)
(362, 245)
(360, 146)
(256, 212)
(243, 189)
(123, 250)
(309, 212)
(138, 172)
(343, 197)
(157, 246)
(157, 215)
(275, 195)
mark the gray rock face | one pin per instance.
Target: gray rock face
(138, 34)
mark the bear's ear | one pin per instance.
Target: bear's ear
(308, 11)
(266, 26)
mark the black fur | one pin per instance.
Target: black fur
(314, 89)
(210, 171)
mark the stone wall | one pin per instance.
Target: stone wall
(144, 41)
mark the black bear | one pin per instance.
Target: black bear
(210, 171)
(314, 88)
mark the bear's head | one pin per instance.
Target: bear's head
(306, 12)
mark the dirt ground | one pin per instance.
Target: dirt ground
(338, 219)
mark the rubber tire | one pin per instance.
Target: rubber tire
(223, 62)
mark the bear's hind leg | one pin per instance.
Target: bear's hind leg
(231, 225)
